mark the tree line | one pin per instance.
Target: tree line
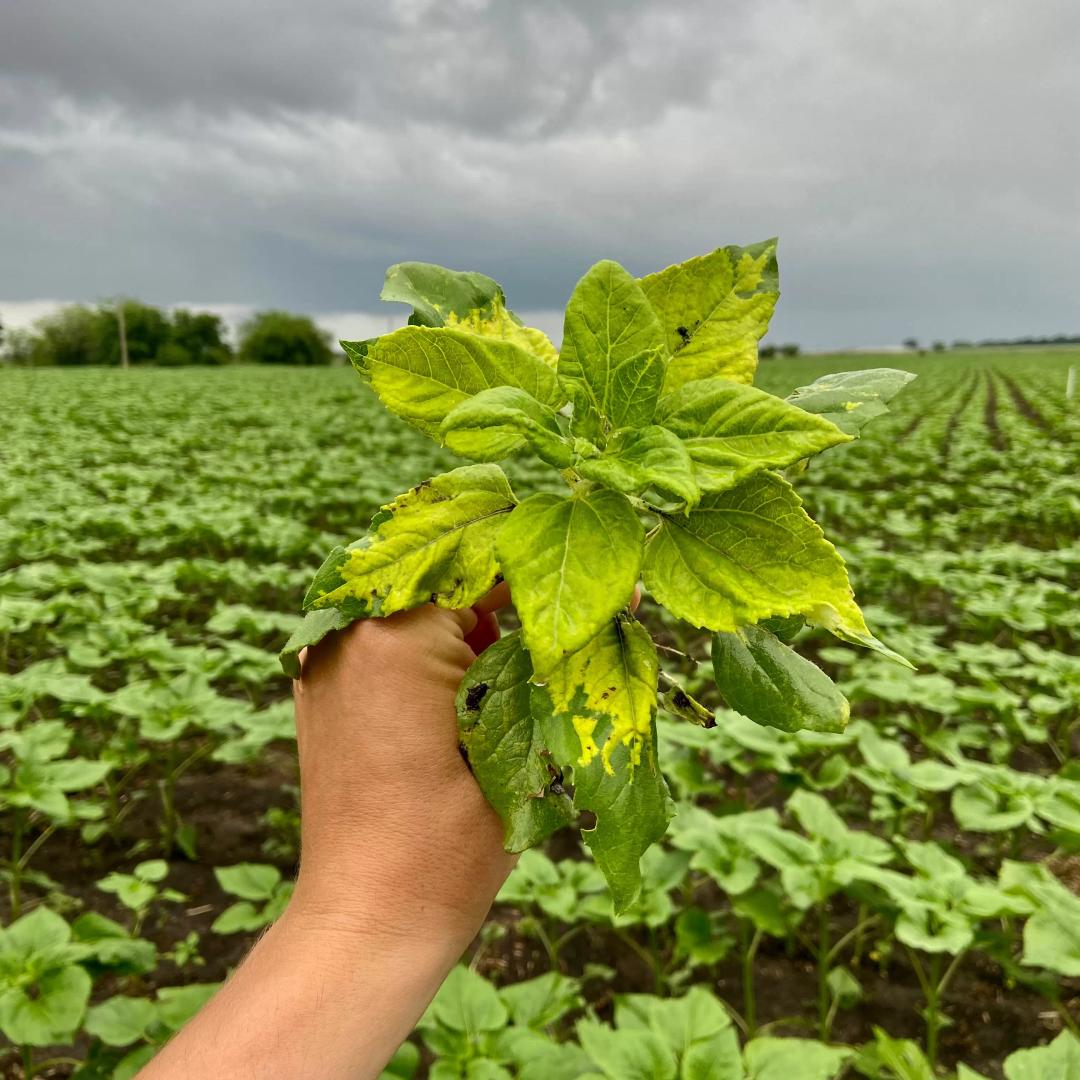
(78, 335)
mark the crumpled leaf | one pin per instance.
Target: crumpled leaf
(507, 748)
(714, 309)
(851, 399)
(435, 543)
(420, 373)
(501, 421)
(647, 457)
(463, 300)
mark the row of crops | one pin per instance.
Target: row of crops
(896, 901)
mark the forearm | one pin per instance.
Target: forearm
(319, 996)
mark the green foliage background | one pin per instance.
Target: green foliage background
(157, 530)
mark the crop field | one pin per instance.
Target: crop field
(899, 900)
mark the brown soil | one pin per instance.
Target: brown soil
(1023, 406)
(997, 436)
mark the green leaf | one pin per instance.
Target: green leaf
(851, 399)
(314, 626)
(745, 555)
(128, 889)
(76, 774)
(507, 749)
(467, 1002)
(647, 457)
(153, 870)
(606, 694)
(41, 929)
(462, 300)
(120, 1021)
(1058, 1061)
(501, 421)
(178, 1004)
(542, 1001)
(435, 543)
(714, 308)
(613, 356)
(404, 1064)
(240, 918)
(732, 431)
(626, 1055)
(420, 374)
(249, 881)
(902, 1057)
(786, 1059)
(45, 1010)
(572, 563)
(112, 946)
(771, 684)
(695, 1027)
(131, 1063)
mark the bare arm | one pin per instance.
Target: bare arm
(401, 857)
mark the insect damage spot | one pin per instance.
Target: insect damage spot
(683, 333)
(474, 695)
(680, 700)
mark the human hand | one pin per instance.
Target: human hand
(394, 828)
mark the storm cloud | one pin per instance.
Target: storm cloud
(919, 160)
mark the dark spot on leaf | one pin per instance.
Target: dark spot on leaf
(680, 700)
(465, 755)
(711, 722)
(474, 695)
(683, 333)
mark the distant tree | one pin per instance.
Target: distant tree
(198, 336)
(789, 350)
(277, 337)
(938, 346)
(147, 331)
(961, 344)
(767, 352)
(19, 348)
(911, 343)
(68, 337)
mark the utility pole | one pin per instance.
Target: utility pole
(123, 333)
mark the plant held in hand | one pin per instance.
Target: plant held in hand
(673, 463)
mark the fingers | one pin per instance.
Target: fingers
(636, 598)
(485, 633)
(497, 598)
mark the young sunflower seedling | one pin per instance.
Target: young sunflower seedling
(673, 465)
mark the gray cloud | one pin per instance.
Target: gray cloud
(919, 159)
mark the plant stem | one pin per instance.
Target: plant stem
(29, 1069)
(933, 1014)
(15, 881)
(749, 947)
(855, 932)
(823, 970)
(643, 953)
(550, 948)
(24, 862)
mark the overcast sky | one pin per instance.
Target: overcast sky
(919, 159)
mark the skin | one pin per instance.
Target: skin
(401, 860)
